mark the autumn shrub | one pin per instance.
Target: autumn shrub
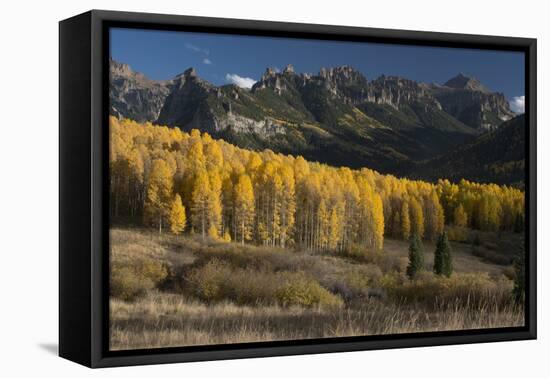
(389, 281)
(126, 285)
(472, 289)
(352, 286)
(458, 234)
(359, 253)
(247, 256)
(217, 281)
(131, 279)
(207, 281)
(304, 291)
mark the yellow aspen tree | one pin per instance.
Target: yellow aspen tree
(417, 217)
(214, 205)
(301, 168)
(483, 213)
(213, 156)
(335, 235)
(177, 218)
(405, 221)
(288, 205)
(159, 193)
(195, 134)
(200, 197)
(448, 197)
(228, 208)
(136, 184)
(351, 196)
(495, 213)
(226, 237)
(253, 165)
(377, 222)
(370, 216)
(244, 208)
(323, 217)
(275, 186)
(460, 217)
(195, 155)
(433, 216)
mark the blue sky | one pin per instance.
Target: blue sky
(221, 59)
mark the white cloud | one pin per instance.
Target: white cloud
(207, 61)
(517, 104)
(243, 82)
(197, 49)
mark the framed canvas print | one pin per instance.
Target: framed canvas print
(234, 188)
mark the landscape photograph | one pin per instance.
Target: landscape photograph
(275, 189)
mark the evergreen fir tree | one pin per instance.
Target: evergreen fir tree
(519, 223)
(519, 279)
(443, 260)
(416, 256)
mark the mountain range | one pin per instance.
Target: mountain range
(337, 116)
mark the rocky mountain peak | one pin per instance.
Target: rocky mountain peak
(275, 80)
(465, 98)
(133, 95)
(124, 71)
(462, 81)
(269, 73)
(120, 69)
(187, 74)
(190, 72)
(289, 69)
(189, 77)
(344, 82)
(342, 74)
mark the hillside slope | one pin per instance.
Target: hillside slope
(497, 157)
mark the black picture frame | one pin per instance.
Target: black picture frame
(83, 180)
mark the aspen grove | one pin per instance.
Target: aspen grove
(191, 183)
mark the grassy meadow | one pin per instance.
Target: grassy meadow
(176, 290)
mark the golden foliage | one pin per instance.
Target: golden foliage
(177, 216)
(277, 200)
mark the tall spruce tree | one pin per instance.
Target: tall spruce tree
(519, 279)
(416, 256)
(443, 259)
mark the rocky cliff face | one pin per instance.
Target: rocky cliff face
(469, 101)
(132, 95)
(346, 82)
(185, 103)
(194, 103)
(350, 86)
(396, 92)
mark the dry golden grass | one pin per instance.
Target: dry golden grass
(374, 294)
(162, 320)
